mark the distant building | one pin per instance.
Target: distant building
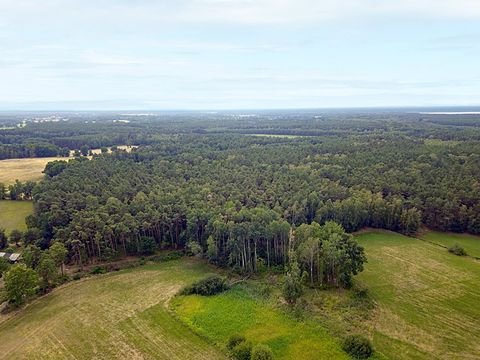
(12, 257)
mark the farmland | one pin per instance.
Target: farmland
(116, 316)
(427, 299)
(23, 169)
(13, 214)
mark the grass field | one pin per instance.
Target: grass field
(427, 299)
(119, 315)
(470, 243)
(13, 214)
(238, 311)
(23, 169)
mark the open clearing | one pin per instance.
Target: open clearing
(23, 169)
(119, 315)
(427, 299)
(13, 214)
(470, 243)
(240, 311)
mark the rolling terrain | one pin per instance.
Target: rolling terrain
(427, 299)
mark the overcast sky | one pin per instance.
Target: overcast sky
(233, 54)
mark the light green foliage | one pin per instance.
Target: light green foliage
(261, 352)
(20, 283)
(241, 311)
(47, 270)
(58, 252)
(4, 266)
(292, 288)
(328, 253)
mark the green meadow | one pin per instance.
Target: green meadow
(13, 214)
(470, 243)
(241, 311)
(427, 300)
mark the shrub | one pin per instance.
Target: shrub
(209, 286)
(357, 347)
(235, 340)
(457, 250)
(261, 352)
(242, 351)
(98, 270)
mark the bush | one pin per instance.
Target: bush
(261, 352)
(235, 340)
(242, 351)
(98, 270)
(357, 347)
(209, 286)
(457, 250)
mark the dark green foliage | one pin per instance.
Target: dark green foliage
(3, 239)
(235, 340)
(4, 266)
(357, 346)
(98, 270)
(457, 250)
(148, 245)
(261, 352)
(242, 351)
(211, 285)
(54, 168)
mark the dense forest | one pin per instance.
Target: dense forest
(207, 185)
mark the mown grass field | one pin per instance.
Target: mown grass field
(120, 315)
(427, 299)
(470, 243)
(23, 169)
(13, 214)
(238, 311)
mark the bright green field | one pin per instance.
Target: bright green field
(428, 300)
(238, 311)
(13, 214)
(470, 243)
(120, 315)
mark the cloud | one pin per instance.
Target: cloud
(253, 12)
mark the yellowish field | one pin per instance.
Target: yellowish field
(23, 169)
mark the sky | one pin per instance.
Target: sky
(238, 54)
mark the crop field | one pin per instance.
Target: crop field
(427, 299)
(238, 311)
(23, 169)
(470, 243)
(13, 214)
(120, 315)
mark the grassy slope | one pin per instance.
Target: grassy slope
(238, 311)
(115, 316)
(13, 214)
(428, 299)
(470, 243)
